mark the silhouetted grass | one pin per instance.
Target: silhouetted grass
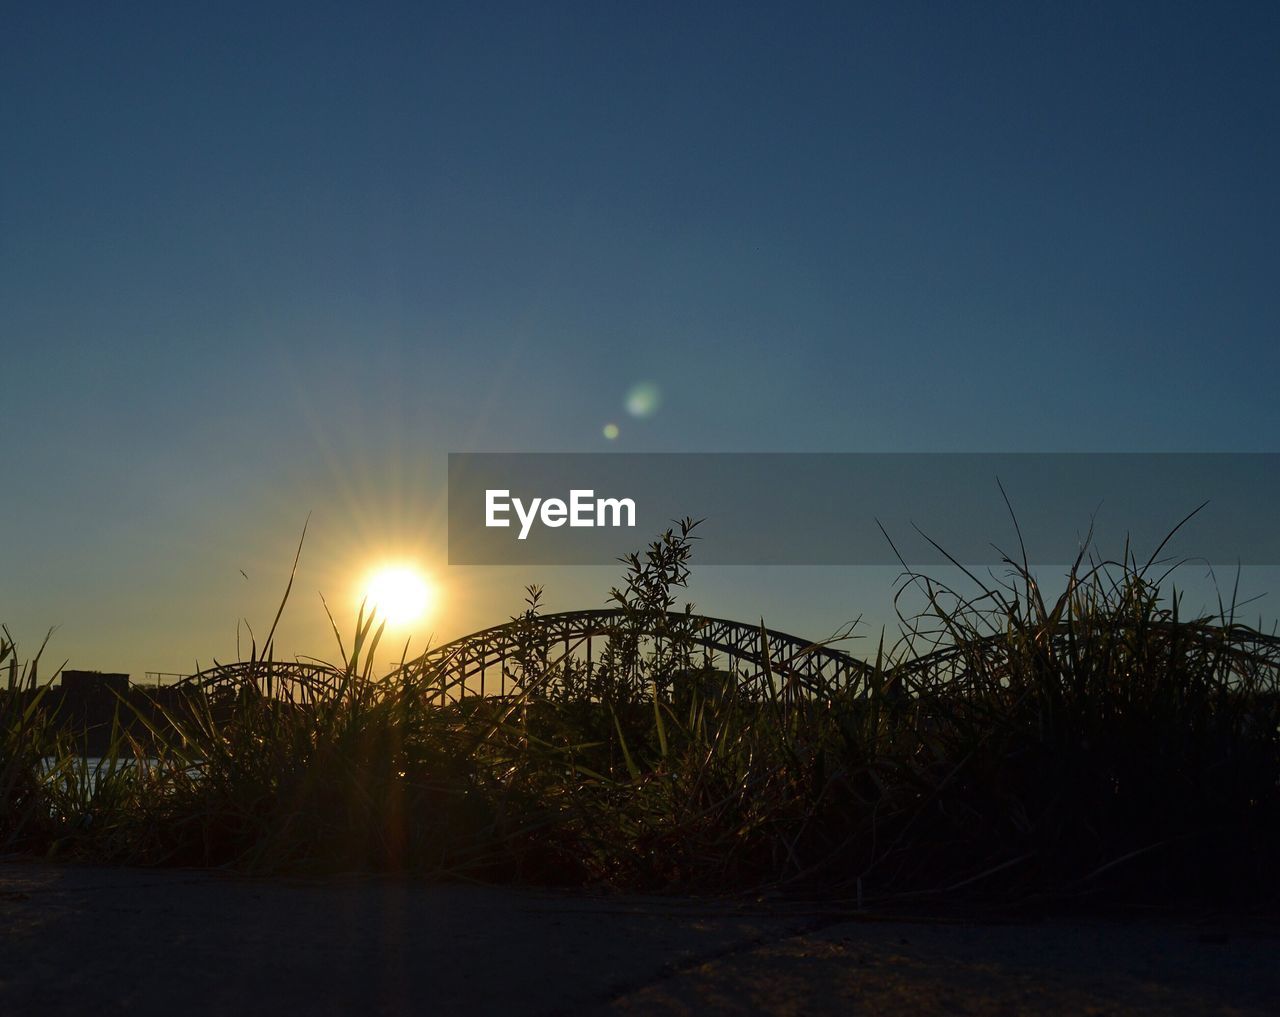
(1007, 747)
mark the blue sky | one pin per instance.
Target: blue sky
(256, 263)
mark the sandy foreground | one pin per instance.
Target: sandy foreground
(140, 942)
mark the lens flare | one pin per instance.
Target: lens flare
(644, 399)
(611, 431)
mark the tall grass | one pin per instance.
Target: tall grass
(25, 736)
(1006, 746)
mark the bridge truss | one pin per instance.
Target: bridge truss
(499, 660)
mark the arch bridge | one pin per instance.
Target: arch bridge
(493, 660)
(488, 662)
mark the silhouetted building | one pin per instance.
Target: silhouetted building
(84, 683)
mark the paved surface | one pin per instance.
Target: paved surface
(136, 942)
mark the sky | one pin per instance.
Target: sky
(265, 264)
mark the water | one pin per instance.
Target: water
(87, 772)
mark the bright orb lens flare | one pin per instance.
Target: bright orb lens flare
(611, 431)
(644, 399)
(398, 595)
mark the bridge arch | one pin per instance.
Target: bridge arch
(477, 663)
(480, 663)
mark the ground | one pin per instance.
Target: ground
(141, 942)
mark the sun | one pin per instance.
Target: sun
(398, 594)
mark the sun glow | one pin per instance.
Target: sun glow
(398, 594)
